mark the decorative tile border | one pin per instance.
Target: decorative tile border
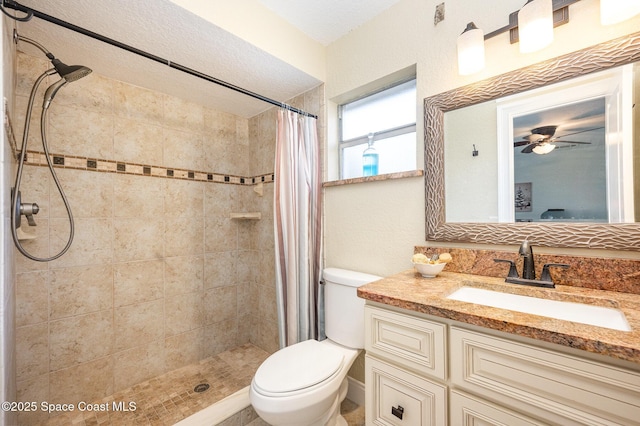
(36, 158)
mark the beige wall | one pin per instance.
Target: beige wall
(158, 275)
(362, 232)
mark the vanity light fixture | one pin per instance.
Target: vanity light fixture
(535, 25)
(470, 50)
(521, 24)
(614, 11)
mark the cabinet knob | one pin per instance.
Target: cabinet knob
(397, 411)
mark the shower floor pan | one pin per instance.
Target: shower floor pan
(171, 397)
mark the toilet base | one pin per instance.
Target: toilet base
(331, 417)
(334, 416)
(344, 387)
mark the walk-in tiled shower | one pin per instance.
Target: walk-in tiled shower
(159, 275)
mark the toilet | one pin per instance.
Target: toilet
(304, 384)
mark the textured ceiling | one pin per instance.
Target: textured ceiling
(163, 29)
(172, 33)
(327, 20)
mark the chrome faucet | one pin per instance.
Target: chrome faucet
(528, 267)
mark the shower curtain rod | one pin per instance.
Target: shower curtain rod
(32, 12)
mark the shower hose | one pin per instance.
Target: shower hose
(15, 208)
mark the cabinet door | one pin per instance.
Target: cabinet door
(467, 410)
(412, 342)
(561, 388)
(400, 398)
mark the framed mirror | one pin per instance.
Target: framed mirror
(441, 226)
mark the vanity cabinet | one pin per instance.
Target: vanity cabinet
(445, 372)
(404, 355)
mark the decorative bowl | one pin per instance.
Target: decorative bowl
(429, 270)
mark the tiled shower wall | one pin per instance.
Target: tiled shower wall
(158, 275)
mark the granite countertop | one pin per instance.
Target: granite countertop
(409, 290)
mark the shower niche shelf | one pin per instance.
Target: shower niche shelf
(247, 216)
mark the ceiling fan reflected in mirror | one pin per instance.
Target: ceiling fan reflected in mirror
(542, 140)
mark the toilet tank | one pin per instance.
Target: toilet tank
(343, 309)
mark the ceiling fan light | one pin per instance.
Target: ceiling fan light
(614, 11)
(535, 25)
(470, 50)
(544, 148)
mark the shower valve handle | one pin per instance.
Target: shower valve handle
(28, 210)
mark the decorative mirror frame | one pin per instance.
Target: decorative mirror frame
(618, 236)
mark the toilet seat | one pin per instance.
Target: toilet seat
(297, 367)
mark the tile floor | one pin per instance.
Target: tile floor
(352, 413)
(169, 398)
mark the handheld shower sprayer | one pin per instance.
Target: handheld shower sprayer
(68, 74)
(51, 91)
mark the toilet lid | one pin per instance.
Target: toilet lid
(298, 366)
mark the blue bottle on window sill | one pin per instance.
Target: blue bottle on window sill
(370, 159)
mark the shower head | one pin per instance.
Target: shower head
(70, 72)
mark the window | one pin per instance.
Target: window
(387, 119)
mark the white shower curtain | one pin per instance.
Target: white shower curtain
(297, 223)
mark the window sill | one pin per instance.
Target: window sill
(389, 176)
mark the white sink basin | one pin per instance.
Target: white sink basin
(568, 311)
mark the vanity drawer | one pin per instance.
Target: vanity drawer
(412, 342)
(400, 398)
(467, 410)
(557, 387)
